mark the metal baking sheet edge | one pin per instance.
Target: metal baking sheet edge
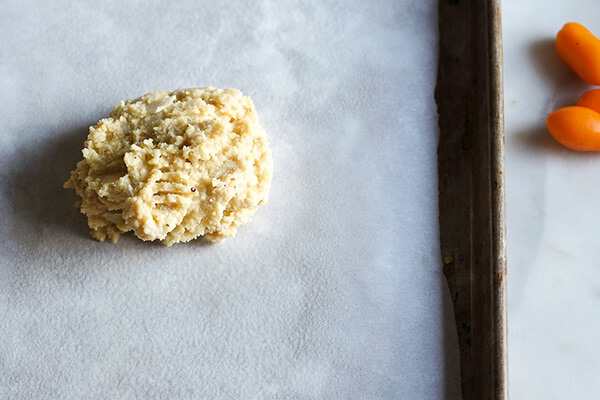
(469, 94)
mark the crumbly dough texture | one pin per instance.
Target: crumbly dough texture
(174, 166)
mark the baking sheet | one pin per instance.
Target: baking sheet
(333, 291)
(469, 94)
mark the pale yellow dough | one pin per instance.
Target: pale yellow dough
(174, 166)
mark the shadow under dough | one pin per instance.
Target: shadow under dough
(38, 195)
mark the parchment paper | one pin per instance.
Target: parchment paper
(334, 291)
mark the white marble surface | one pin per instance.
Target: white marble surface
(553, 213)
(334, 291)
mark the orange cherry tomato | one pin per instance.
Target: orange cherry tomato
(590, 99)
(577, 128)
(581, 50)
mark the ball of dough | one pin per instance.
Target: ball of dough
(174, 166)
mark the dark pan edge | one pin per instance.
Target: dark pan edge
(469, 95)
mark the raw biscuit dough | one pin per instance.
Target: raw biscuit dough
(174, 166)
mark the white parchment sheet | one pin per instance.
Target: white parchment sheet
(334, 291)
